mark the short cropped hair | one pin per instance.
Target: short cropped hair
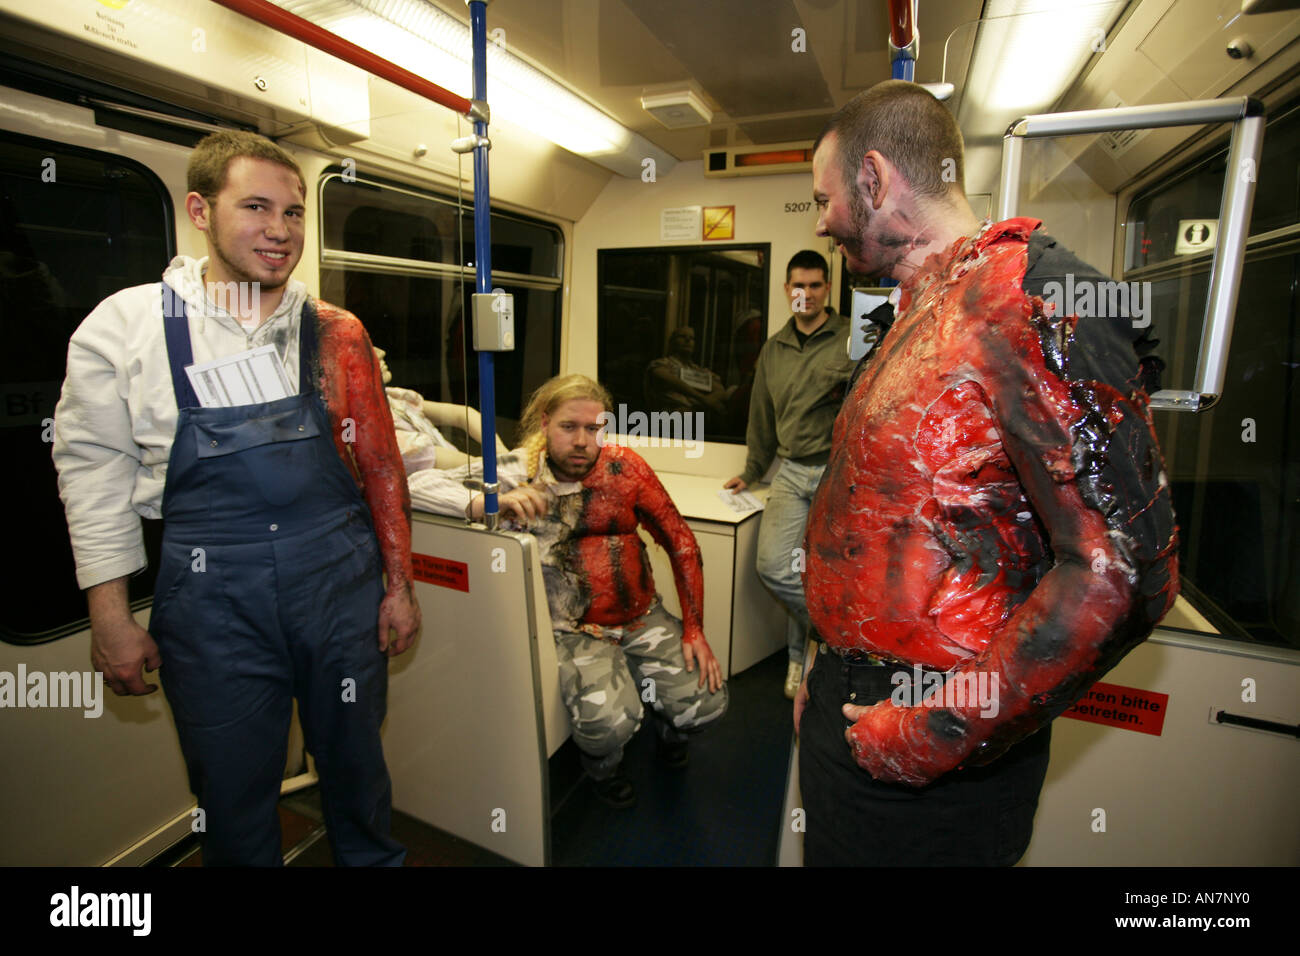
(210, 161)
(910, 128)
(808, 259)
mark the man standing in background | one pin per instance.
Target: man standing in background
(798, 387)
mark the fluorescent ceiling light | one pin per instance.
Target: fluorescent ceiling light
(423, 39)
(1029, 51)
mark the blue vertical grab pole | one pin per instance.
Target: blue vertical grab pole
(483, 258)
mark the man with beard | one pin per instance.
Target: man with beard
(994, 523)
(276, 511)
(582, 500)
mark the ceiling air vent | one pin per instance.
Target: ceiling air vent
(677, 110)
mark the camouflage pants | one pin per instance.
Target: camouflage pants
(604, 680)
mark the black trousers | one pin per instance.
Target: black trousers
(976, 816)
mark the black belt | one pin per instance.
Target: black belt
(857, 657)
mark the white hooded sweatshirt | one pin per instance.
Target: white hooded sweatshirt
(116, 416)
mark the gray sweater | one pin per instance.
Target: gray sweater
(797, 394)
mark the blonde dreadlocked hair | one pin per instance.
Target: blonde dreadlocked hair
(548, 397)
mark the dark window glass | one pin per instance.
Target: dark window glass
(384, 220)
(392, 258)
(1194, 193)
(75, 227)
(1234, 470)
(523, 247)
(679, 331)
(365, 217)
(1158, 220)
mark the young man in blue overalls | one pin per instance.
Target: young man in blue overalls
(278, 504)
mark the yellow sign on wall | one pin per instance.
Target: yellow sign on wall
(719, 222)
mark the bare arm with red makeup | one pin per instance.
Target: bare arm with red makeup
(353, 389)
(656, 511)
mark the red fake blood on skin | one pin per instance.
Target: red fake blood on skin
(350, 384)
(620, 491)
(988, 509)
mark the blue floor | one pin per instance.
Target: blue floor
(724, 809)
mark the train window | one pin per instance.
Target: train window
(1235, 469)
(76, 225)
(391, 256)
(678, 330)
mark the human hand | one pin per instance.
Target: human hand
(735, 484)
(698, 650)
(894, 744)
(399, 612)
(119, 647)
(525, 503)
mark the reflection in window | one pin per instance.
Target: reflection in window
(392, 258)
(679, 331)
(1235, 469)
(102, 224)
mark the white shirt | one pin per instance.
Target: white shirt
(418, 439)
(116, 416)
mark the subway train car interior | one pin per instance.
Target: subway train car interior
(509, 191)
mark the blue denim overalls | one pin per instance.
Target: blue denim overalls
(269, 589)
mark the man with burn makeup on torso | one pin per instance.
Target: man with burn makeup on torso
(277, 514)
(616, 645)
(993, 531)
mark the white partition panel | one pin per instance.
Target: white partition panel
(83, 790)
(464, 739)
(554, 716)
(758, 620)
(1201, 793)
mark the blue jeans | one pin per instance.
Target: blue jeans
(780, 533)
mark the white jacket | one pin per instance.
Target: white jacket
(116, 416)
